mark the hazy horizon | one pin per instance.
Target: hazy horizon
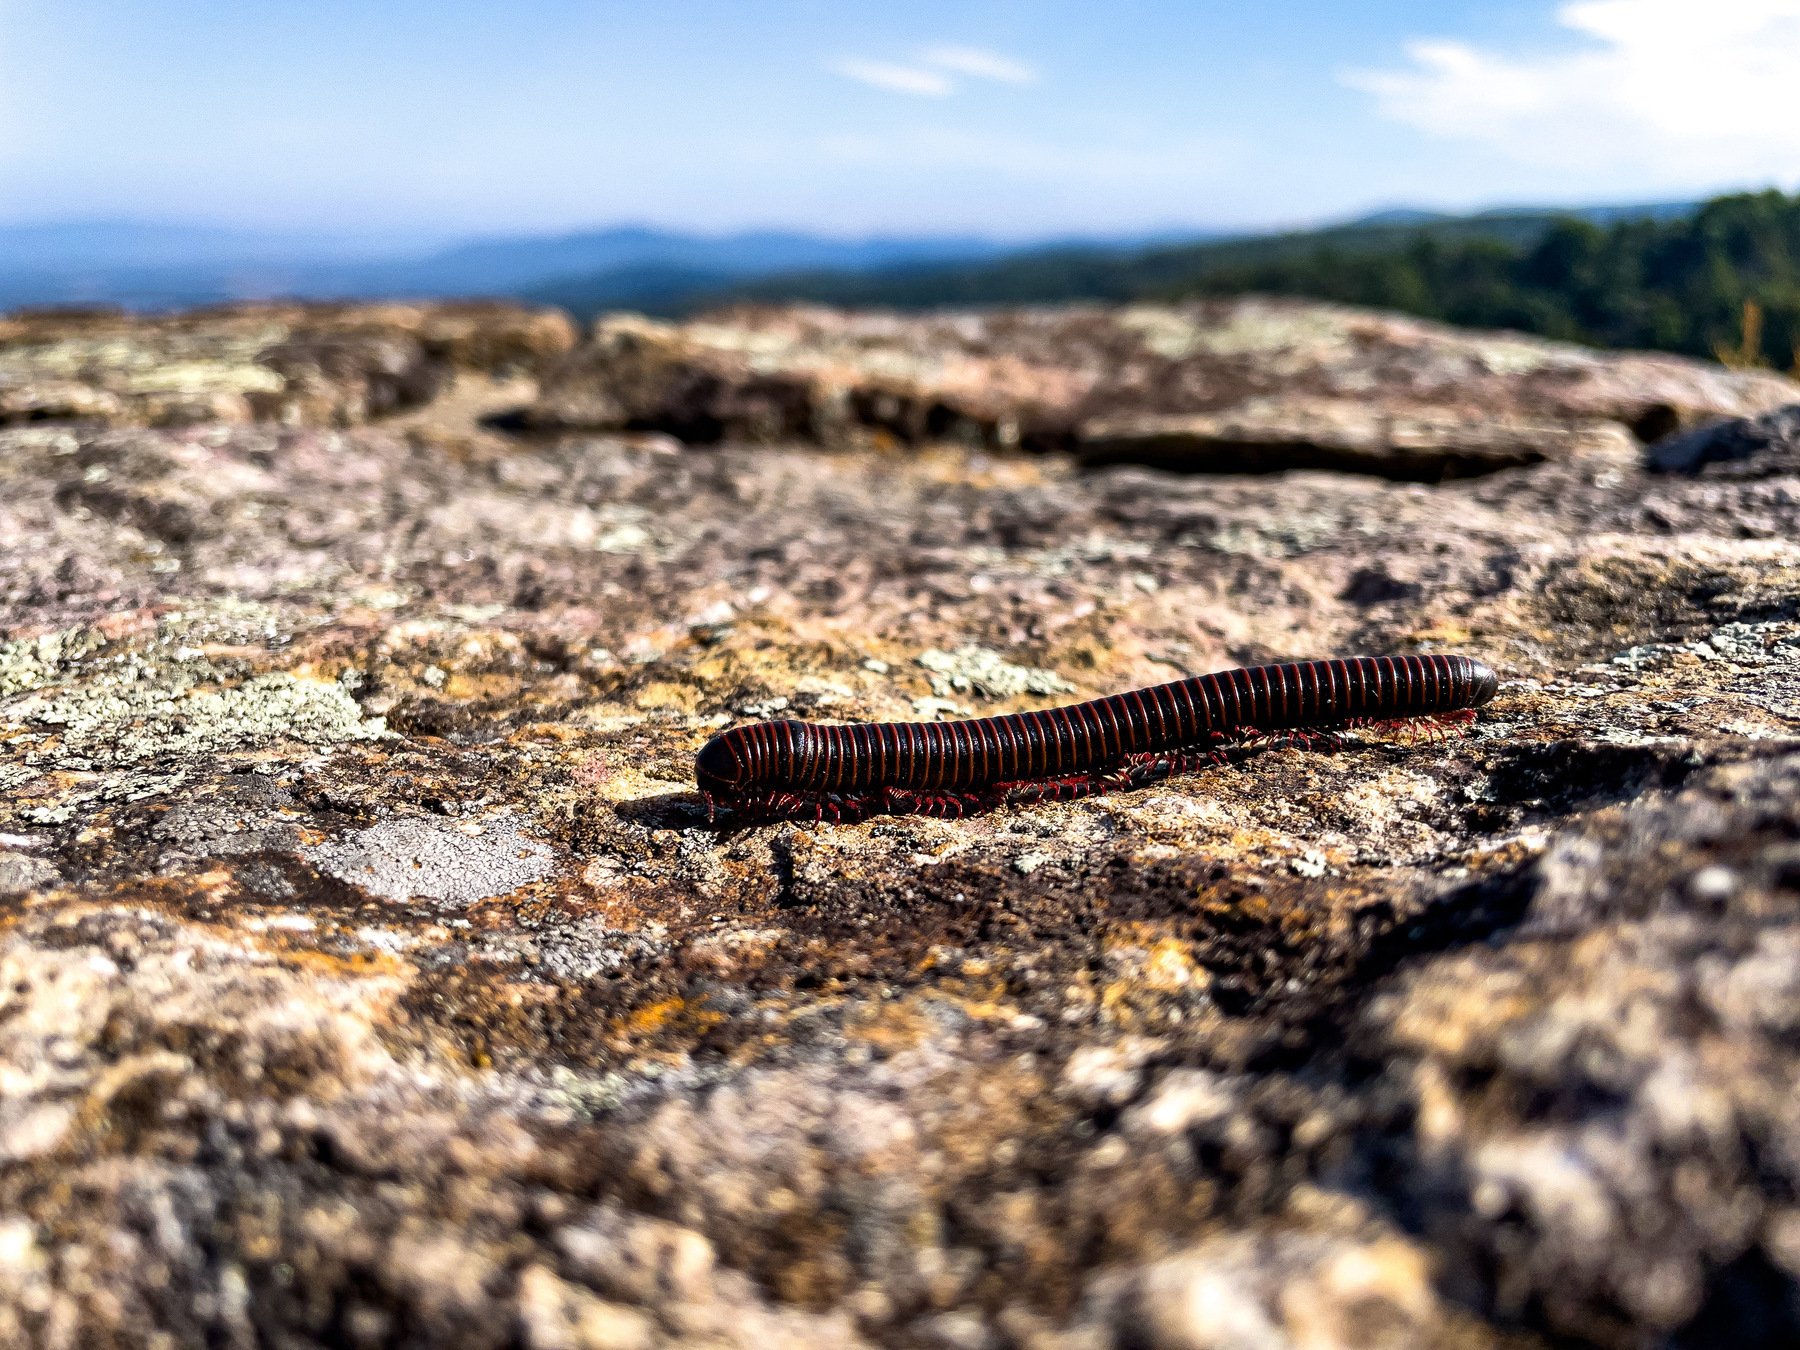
(393, 237)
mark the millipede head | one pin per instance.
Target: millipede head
(717, 769)
(1486, 683)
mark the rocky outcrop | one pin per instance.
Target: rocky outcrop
(372, 976)
(1219, 386)
(298, 365)
(639, 375)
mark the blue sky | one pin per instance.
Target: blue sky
(1014, 118)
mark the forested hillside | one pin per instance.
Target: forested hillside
(1724, 282)
(1720, 281)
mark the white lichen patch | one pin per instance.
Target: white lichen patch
(1173, 815)
(984, 672)
(32, 663)
(121, 720)
(21, 873)
(1742, 644)
(1395, 802)
(415, 857)
(1284, 338)
(224, 619)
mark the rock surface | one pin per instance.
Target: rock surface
(372, 977)
(1224, 385)
(299, 365)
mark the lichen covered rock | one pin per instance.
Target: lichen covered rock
(372, 975)
(298, 365)
(1248, 385)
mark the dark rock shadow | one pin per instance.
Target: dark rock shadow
(1740, 447)
(1751, 1303)
(510, 421)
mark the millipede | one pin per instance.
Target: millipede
(848, 772)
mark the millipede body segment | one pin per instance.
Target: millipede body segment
(846, 772)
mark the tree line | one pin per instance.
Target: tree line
(1721, 280)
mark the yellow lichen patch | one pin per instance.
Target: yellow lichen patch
(944, 464)
(1446, 631)
(606, 717)
(1444, 1015)
(666, 695)
(978, 999)
(557, 733)
(1149, 969)
(481, 686)
(1171, 966)
(663, 1029)
(1508, 856)
(653, 1018)
(890, 1027)
(334, 965)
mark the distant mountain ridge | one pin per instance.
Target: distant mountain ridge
(156, 266)
(1111, 274)
(94, 245)
(1594, 215)
(527, 261)
(163, 266)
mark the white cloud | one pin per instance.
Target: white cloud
(983, 65)
(896, 77)
(1684, 90)
(927, 78)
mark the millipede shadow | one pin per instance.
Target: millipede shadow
(665, 811)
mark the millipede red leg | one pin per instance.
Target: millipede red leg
(1029, 792)
(1432, 727)
(948, 805)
